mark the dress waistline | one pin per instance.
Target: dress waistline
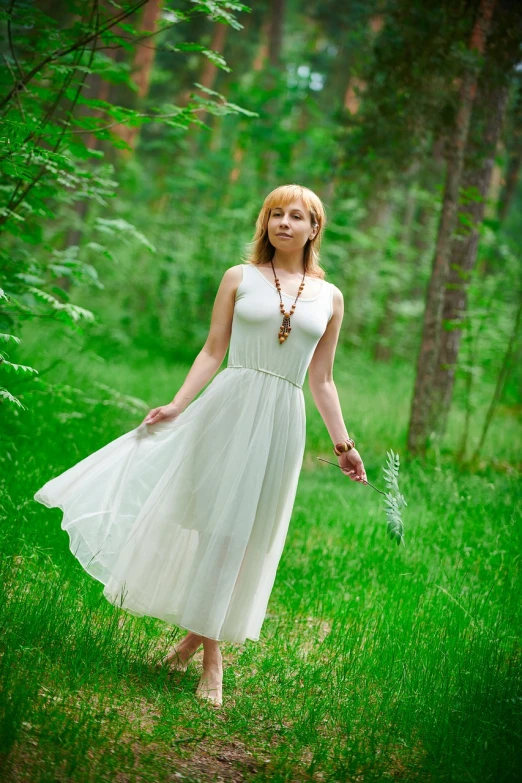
(258, 369)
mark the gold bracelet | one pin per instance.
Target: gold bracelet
(345, 445)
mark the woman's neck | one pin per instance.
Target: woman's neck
(292, 263)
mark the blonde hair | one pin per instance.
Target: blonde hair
(261, 250)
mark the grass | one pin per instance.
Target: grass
(376, 662)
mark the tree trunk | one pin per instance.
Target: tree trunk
(144, 58)
(99, 88)
(501, 380)
(141, 68)
(501, 57)
(267, 161)
(491, 106)
(209, 71)
(511, 180)
(258, 64)
(420, 423)
(275, 38)
(515, 161)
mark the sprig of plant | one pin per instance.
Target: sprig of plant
(394, 499)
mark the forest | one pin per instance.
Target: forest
(139, 140)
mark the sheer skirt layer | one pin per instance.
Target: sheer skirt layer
(186, 520)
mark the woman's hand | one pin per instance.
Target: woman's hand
(163, 413)
(352, 465)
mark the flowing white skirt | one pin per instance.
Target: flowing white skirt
(186, 520)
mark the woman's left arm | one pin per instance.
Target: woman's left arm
(324, 391)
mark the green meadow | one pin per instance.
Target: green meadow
(376, 661)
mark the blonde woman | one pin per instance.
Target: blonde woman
(185, 517)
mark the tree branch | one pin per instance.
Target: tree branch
(82, 42)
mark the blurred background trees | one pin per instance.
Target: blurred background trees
(139, 140)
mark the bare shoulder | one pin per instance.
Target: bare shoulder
(337, 300)
(229, 284)
(234, 272)
(233, 276)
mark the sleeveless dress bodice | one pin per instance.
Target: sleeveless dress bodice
(254, 340)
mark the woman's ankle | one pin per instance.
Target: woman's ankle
(213, 668)
(191, 640)
(212, 659)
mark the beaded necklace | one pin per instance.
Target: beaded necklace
(285, 328)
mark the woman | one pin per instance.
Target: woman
(184, 518)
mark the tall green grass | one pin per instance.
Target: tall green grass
(376, 662)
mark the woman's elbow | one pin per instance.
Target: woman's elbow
(320, 381)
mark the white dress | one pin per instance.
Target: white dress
(186, 520)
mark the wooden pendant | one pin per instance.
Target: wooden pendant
(285, 328)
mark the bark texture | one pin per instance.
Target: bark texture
(420, 427)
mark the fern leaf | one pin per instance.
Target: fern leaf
(393, 500)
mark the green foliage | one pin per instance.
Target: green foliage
(51, 126)
(410, 88)
(214, 57)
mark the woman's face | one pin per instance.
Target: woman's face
(290, 227)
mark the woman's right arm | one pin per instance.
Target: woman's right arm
(209, 359)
